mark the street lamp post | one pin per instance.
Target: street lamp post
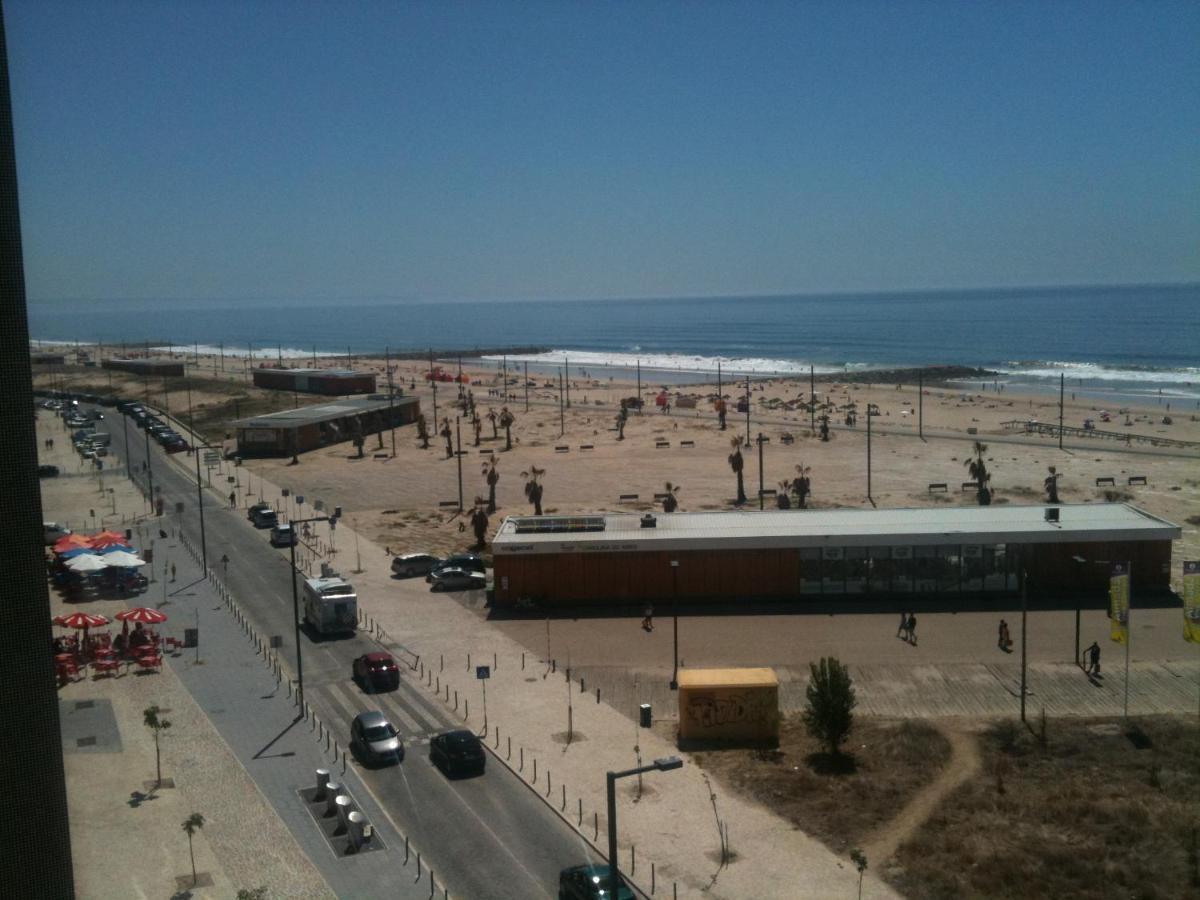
(659, 765)
(296, 601)
(872, 410)
(1024, 612)
(675, 621)
(761, 440)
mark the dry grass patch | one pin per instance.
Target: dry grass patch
(1086, 815)
(840, 803)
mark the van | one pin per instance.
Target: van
(330, 603)
(283, 536)
(262, 515)
(100, 438)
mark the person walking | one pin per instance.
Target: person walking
(902, 630)
(912, 629)
(233, 499)
(1093, 658)
(1003, 638)
(172, 571)
(648, 619)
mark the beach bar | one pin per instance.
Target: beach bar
(330, 382)
(801, 554)
(292, 431)
(157, 367)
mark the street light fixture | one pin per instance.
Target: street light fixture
(872, 410)
(332, 520)
(665, 764)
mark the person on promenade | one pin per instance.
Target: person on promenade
(648, 619)
(1005, 640)
(912, 629)
(902, 630)
(233, 499)
(1093, 659)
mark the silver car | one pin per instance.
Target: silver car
(458, 580)
(410, 564)
(375, 740)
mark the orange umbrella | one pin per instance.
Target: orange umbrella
(80, 620)
(105, 539)
(142, 614)
(70, 542)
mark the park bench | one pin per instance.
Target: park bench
(687, 444)
(628, 498)
(1111, 482)
(768, 492)
(446, 504)
(787, 437)
(487, 452)
(583, 447)
(562, 448)
(1137, 479)
(938, 487)
(382, 456)
(659, 498)
(969, 486)
(662, 445)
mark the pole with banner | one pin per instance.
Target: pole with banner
(1191, 604)
(1118, 610)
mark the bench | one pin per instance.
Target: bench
(382, 456)
(461, 452)
(659, 498)
(1137, 479)
(628, 498)
(937, 488)
(487, 452)
(687, 444)
(563, 448)
(583, 447)
(446, 504)
(969, 486)
(662, 445)
(1111, 482)
(787, 437)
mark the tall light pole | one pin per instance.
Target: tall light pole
(200, 505)
(675, 621)
(1024, 616)
(872, 410)
(296, 601)
(761, 440)
(665, 764)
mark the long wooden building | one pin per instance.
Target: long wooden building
(798, 554)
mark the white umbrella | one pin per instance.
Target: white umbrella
(87, 562)
(121, 559)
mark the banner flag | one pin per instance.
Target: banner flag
(1191, 602)
(1118, 603)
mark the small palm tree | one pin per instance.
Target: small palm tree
(533, 488)
(191, 825)
(860, 862)
(824, 420)
(477, 425)
(506, 422)
(978, 471)
(783, 498)
(1051, 485)
(479, 523)
(492, 476)
(423, 431)
(156, 725)
(671, 500)
(447, 434)
(737, 463)
(802, 486)
(622, 418)
(493, 417)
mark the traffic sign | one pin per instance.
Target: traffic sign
(483, 672)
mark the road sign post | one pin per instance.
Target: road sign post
(483, 673)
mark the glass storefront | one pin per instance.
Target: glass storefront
(945, 569)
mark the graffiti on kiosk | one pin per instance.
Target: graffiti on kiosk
(710, 710)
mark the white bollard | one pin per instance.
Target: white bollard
(322, 784)
(333, 790)
(343, 808)
(357, 822)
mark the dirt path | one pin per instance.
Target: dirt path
(964, 763)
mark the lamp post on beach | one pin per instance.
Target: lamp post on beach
(760, 440)
(872, 411)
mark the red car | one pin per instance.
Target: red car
(376, 672)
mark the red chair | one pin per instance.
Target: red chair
(107, 665)
(150, 661)
(66, 670)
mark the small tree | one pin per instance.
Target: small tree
(802, 486)
(830, 712)
(783, 498)
(824, 420)
(533, 488)
(860, 862)
(737, 463)
(671, 500)
(506, 422)
(447, 434)
(479, 523)
(191, 825)
(1051, 485)
(492, 476)
(493, 417)
(978, 471)
(156, 725)
(423, 431)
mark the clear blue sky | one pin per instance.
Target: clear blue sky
(477, 150)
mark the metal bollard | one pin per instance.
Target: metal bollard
(535, 770)
(521, 767)
(564, 793)
(441, 662)
(495, 662)
(554, 665)
(522, 662)
(509, 749)
(468, 662)
(431, 885)
(466, 709)
(633, 859)
(455, 697)
(547, 782)
(418, 865)
(438, 690)
(497, 745)
(580, 812)
(596, 826)
(597, 695)
(406, 849)
(652, 877)
(582, 686)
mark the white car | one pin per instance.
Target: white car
(409, 564)
(52, 532)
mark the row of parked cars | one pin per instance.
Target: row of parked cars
(460, 572)
(170, 440)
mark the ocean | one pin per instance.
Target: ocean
(1124, 342)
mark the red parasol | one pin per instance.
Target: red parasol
(70, 542)
(80, 620)
(105, 539)
(142, 614)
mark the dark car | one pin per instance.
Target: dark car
(410, 564)
(471, 562)
(458, 580)
(262, 515)
(458, 753)
(377, 672)
(47, 471)
(177, 445)
(589, 882)
(374, 739)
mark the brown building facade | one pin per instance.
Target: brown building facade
(329, 382)
(293, 431)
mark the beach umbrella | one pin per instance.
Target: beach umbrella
(74, 552)
(69, 542)
(121, 559)
(142, 614)
(88, 562)
(105, 539)
(80, 620)
(112, 548)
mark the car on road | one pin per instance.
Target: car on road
(262, 515)
(375, 740)
(472, 562)
(376, 672)
(457, 753)
(52, 531)
(47, 471)
(589, 882)
(410, 564)
(283, 536)
(458, 580)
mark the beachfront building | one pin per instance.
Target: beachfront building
(48, 359)
(156, 367)
(330, 382)
(820, 554)
(292, 431)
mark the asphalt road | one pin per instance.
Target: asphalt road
(487, 836)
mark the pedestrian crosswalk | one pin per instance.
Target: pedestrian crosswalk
(416, 719)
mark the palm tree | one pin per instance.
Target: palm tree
(824, 420)
(506, 422)
(447, 433)
(479, 523)
(477, 424)
(721, 412)
(533, 488)
(493, 417)
(783, 498)
(802, 486)
(151, 720)
(423, 431)
(191, 825)
(1051, 485)
(671, 501)
(492, 475)
(737, 464)
(622, 418)
(979, 473)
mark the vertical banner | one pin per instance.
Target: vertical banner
(1191, 602)
(1118, 603)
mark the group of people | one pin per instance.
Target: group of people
(908, 628)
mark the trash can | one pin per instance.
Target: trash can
(357, 823)
(644, 715)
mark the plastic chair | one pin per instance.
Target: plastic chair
(106, 665)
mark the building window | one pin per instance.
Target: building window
(833, 570)
(902, 570)
(880, 570)
(925, 569)
(857, 569)
(810, 570)
(949, 557)
(972, 571)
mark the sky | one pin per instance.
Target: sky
(438, 151)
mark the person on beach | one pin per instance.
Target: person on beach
(903, 629)
(1003, 639)
(648, 619)
(912, 629)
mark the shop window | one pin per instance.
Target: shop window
(948, 558)
(810, 570)
(925, 570)
(856, 570)
(880, 570)
(903, 575)
(833, 570)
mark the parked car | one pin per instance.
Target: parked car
(283, 536)
(589, 882)
(262, 515)
(458, 752)
(376, 672)
(52, 531)
(472, 562)
(410, 564)
(47, 471)
(374, 739)
(458, 580)
(176, 445)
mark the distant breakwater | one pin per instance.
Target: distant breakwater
(928, 374)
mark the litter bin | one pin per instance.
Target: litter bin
(644, 715)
